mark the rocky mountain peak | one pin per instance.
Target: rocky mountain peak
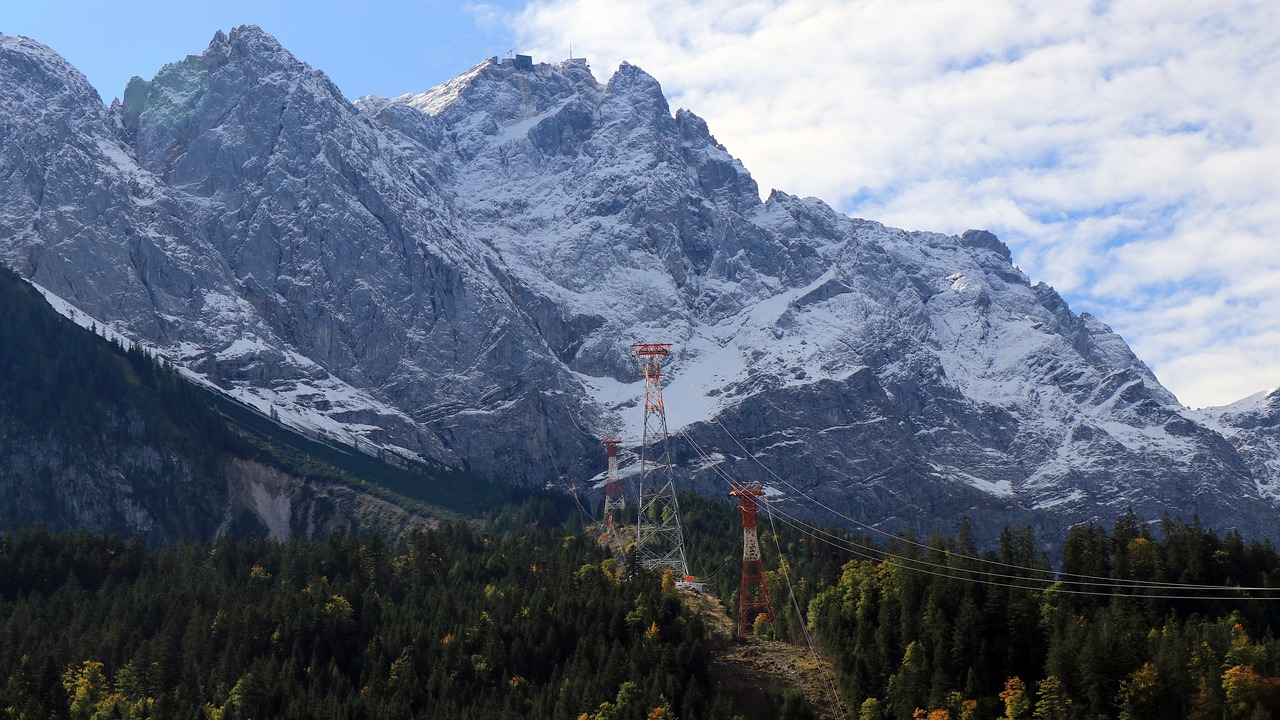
(225, 113)
(34, 73)
(987, 241)
(460, 273)
(250, 43)
(632, 79)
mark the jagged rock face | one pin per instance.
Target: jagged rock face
(346, 250)
(126, 489)
(461, 273)
(899, 376)
(318, 263)
(136, 488)
(1252, 425)
(79, 216)
(264, 500)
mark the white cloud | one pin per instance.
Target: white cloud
(1127, 151)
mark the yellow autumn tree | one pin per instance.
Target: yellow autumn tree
(1016, 703)
(89, 695)
(871, 709)
(1140, 693)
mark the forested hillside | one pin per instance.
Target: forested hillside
(450, 623)
(74, 408)
(1134, 624)
(99, 437)
(531, 618)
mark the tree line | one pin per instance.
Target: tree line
(939, 630)
(59, 379)
(448, 623)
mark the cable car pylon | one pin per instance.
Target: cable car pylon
(659, 538)
(753, 594)
(614, 499)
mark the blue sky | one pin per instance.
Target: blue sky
(1125, 150)
(384, 48)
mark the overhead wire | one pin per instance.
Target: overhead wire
(848, 545)
(1017, 582)
(1055, 583)
(711, 578)
(1052, 576)
(804, 625)
(582, 510)
(1006, 581)
(1037, 577)
(1009, 581)
(782, 567)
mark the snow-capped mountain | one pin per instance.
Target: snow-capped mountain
(1252, 425)
(460, 274)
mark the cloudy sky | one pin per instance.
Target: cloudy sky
(1128, 151)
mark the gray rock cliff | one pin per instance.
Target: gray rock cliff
(461, 272)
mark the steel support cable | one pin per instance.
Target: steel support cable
(1062, 579)
(1029, 583)
(782, 567)
(804, 621)
(1017, 582)
(851, 546)
(1005, 580)
(905, 563)
(711, 578)
(582, 510)
(945, 570)
(1053, 576)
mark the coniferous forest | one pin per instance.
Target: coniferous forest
(82, 417)
(451, 623)
(524, 614)
(531, 618)
(941, 630)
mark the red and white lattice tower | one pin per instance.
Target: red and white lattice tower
(754, 594)
(659, 540)
(614, 500)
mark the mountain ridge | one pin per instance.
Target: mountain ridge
(97, 435)
(460, 273)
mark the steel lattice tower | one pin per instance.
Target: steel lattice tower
(754, 593)
(614, 500)
(659, 539)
